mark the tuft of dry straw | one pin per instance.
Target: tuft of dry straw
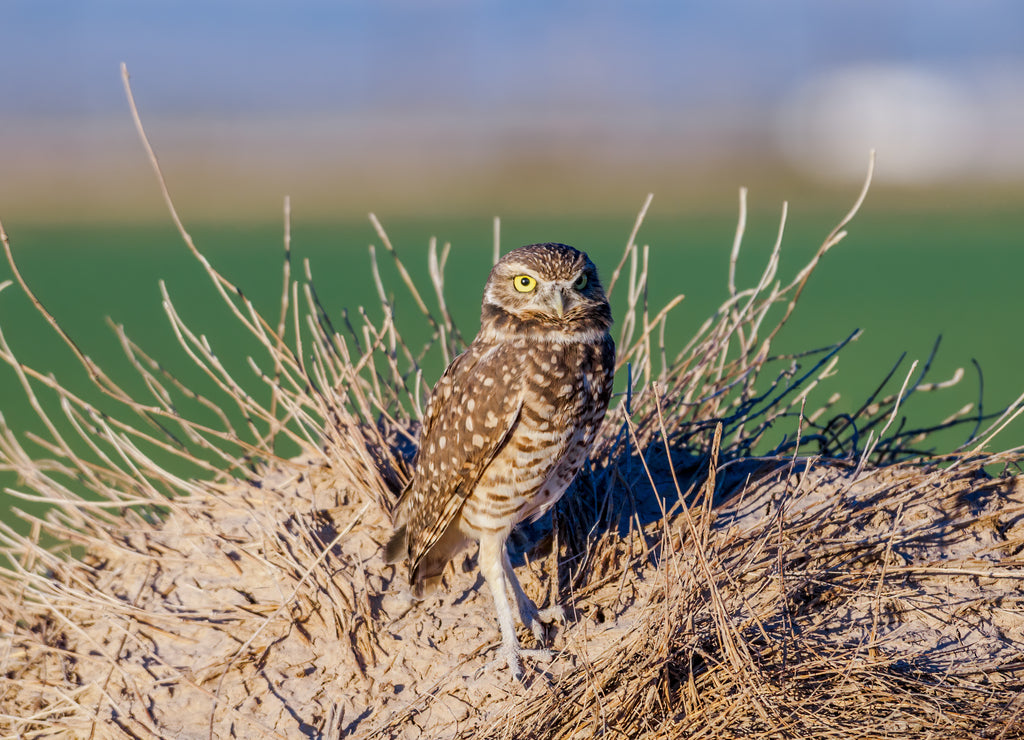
(839, 584)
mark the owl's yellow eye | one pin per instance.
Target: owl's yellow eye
(581, 282)
(524, 283)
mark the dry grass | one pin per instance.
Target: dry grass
(839, 586)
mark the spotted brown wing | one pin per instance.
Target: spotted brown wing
(471, 414)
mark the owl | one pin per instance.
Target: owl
(508, 426)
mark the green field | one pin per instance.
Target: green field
(905, 278)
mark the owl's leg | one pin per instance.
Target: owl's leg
(492, 568)
(527, 609)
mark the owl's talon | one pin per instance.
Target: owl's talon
(530, 618)
(502, 660)
(511, 659)
(537, 628)
(540, 621)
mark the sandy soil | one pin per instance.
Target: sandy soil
(230, 619)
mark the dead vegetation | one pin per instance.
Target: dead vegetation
(839, 585)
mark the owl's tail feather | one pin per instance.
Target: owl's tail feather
(422, 587)
(397, 548)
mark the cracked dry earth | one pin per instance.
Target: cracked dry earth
(265, 610)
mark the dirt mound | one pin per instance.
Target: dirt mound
(811, 596)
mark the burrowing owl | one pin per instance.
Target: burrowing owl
(509, 424)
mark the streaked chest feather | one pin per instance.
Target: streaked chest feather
(564, 400)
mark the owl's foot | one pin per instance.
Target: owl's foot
(538, 620)
(554, 613)
(513, 655)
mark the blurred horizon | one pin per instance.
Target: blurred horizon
(459, 107)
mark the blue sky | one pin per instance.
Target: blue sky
(211, 57)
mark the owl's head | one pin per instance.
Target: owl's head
(544, 285)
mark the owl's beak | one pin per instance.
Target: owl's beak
(558, 303)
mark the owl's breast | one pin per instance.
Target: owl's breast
(564, 390)
(560, 422)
